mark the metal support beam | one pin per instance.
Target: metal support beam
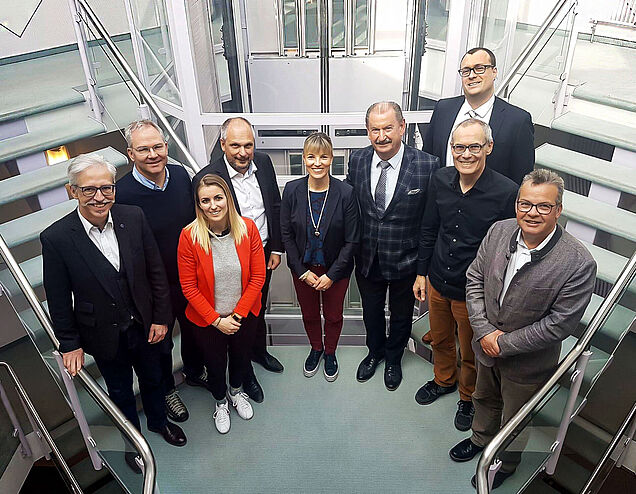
(323, 25)
(17, 430)
(563, 93)
(576, 381)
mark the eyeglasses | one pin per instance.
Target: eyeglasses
(543, 209)
(90, 191)
(472, 148)
(157, 148)
(477, 69)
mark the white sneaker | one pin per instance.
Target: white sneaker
(241, 402)
(222, 418)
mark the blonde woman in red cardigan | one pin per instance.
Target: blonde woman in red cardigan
(222, 271)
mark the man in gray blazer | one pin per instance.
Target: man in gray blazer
(526, 292)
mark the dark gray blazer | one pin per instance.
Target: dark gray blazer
(543, 305)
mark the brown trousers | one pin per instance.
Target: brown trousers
(496, 399)
(445, 315)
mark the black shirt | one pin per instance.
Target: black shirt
(455, 223)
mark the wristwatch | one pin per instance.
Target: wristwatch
(236, 317)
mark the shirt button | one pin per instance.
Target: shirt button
(456, 226)
(454, 240)
(451, 254)
(448, 267)
(459, 210)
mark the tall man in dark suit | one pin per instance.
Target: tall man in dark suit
(164, 193)
(108, 294)
(252, 181)
(390, 180)
(512, 130)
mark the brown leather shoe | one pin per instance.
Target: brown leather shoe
(427, 339)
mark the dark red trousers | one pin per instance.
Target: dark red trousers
(332, 300)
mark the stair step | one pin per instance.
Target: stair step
(41, 140)
(609, 264)
(615, 327)
(32, 269)
(621, 136)
(599, 215)
(47, 178)
(28, 227)
(595, 95)
(39, 103)
(580, 165)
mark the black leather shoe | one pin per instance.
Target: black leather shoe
(200, 380)
(465, 450)
(464, 415)
(428, 393)
(366, 369)
(253, 389)
(175, 408)
(172, 433)
(268, 362)
(496, 482)
(392, 376)
(131, 461)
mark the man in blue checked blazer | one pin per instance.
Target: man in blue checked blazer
(390, 180)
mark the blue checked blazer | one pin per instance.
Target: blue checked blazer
(394, 234)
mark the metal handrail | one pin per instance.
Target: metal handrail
(94, 390)
(624, 279)
(149, 99)
(33, 415)
(608, 452)
(530, 46)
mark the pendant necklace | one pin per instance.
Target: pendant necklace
(311, 213)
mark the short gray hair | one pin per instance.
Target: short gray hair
(474, 121)
(84, 161)
(381, 107)
(140, 124)
(542, 176)
(226, 124)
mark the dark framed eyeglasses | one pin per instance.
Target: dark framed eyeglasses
(477, 69)
(543, 208)
(472, 148)
(90, 191)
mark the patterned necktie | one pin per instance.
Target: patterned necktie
(380, 188)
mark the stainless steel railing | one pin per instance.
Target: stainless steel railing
(624, 279)
(145, 94)
(43, 432)
(94, 390)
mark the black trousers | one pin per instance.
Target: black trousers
(191, 353)
(373, 289)
(218, 346)
(136, 353)
(259, 344)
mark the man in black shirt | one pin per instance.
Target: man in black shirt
(463, 202)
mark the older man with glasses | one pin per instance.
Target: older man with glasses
(526, 292)
(462, 203)
(108, 294)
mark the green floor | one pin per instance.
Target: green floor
(313, 436)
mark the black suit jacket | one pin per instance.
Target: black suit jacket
(266, 178)
(512, 130)
(339, 227)
(81, 300)
(393, 235)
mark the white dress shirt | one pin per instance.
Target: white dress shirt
(520, 258)
(482, 113)
(249, 196)
(105, 240)
(392, 173)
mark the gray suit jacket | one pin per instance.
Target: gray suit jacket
(543, 305)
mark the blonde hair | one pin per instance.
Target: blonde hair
(317, 143)
(199, 227)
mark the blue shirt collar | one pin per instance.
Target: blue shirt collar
(149, 183)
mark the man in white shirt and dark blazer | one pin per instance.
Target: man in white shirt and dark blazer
(107, 293)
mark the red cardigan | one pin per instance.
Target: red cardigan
(196, 274)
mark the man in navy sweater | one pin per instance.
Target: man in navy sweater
(164, 193)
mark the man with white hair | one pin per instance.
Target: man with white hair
(108, 294)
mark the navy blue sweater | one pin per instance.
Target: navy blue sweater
(167, 211)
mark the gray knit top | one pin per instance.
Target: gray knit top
(227, 274)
